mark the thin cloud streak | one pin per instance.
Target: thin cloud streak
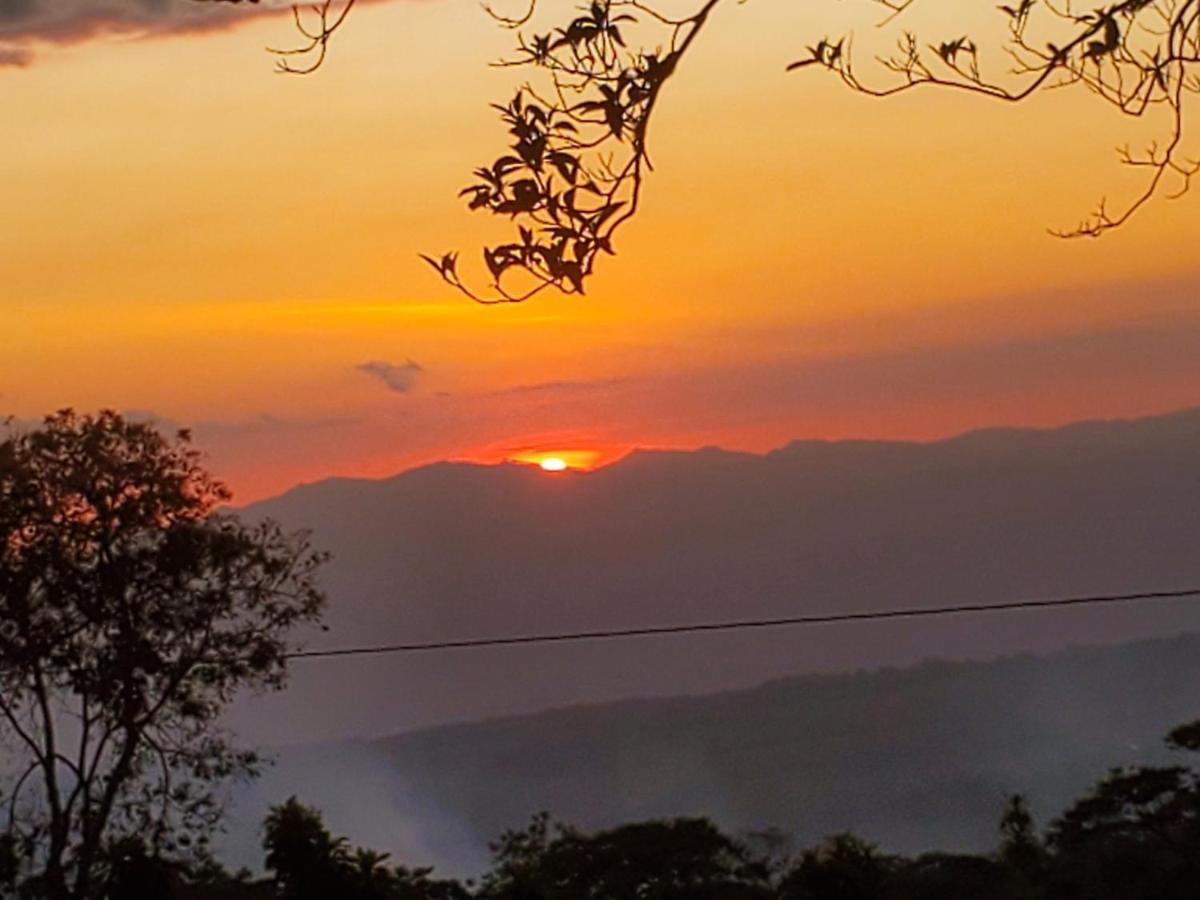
(557, 387)
(266, 422)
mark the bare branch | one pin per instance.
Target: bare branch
(1136, 55)
(327, 19)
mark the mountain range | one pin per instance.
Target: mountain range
(454, 551)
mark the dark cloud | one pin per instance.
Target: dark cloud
(14, 57)
(1135, 354)
(398, 377)
(1107, 371)
(25, 23)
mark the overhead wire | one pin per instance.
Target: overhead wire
(800, 620)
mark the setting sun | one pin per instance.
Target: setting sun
(555, 459)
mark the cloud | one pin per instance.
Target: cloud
(24, 23)
(399, 378)
(266, 422)
(558, 387)
(1125, 369)
(14, 57)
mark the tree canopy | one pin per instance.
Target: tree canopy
(1133, 836)
(132, 609)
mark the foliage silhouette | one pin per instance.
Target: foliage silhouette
(844, 867)
(1134, 836)
(682, 859)
(578, 130)
(131, 611)
(308, 863)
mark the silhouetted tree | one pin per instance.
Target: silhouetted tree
(578, 152)
(131, 611)
(10, 864)
(1134, 836)
(1185, 737)
(843, 867)
(679, 859)
(952, 876)
(418, 884)
(133, 872)
(308, 862)
(305, 860)
(1019, 843)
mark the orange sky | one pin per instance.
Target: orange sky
(188, 234)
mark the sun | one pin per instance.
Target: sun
(556, 458)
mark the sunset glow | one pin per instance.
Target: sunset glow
(227, 277)
(559, 460)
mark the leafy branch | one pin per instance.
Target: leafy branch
(573, 171)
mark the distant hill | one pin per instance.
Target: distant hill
(915, 758)
(455, 550)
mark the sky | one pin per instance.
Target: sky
(191, 236)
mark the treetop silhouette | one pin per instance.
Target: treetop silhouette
(132, 609)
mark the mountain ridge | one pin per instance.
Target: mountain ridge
(465, 551)
(1079, 428)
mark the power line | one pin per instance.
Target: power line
(746, 624)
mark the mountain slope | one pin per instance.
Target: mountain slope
(915, 758)
(457, 550)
